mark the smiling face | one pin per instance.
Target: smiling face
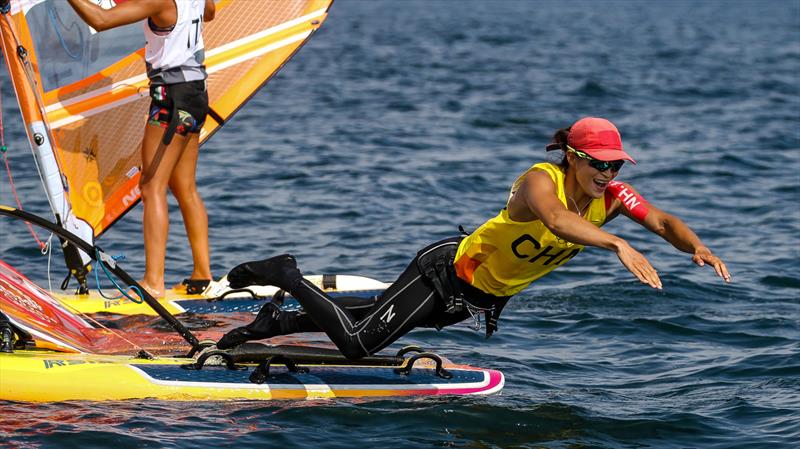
(592, 181)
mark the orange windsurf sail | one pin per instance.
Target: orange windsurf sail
(84, 95)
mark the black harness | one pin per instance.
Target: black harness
(184, 105)
(435, 262)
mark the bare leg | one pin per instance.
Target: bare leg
(183, 185)
(158, 163)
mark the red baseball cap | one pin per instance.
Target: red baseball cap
(598, 138)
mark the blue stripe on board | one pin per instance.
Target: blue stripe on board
(232, 305)
(316, 375)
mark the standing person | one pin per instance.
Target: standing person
(174, 56)
(553, 211)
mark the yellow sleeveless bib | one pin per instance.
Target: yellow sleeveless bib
(503, 256)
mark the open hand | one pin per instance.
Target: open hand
(704, 256)
(637, 264)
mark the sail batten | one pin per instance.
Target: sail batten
(100, 100)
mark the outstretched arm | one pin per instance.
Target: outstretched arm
(539, 195)
(679, 234)
(122, 14)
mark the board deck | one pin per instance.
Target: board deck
(248, 300)
(59, 356)
(44, 376)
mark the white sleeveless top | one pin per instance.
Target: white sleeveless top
(177, 55)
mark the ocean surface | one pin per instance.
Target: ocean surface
(401, 120)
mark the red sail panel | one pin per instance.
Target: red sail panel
(36, 312)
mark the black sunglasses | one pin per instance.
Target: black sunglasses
(598, 164)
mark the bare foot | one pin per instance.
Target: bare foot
(154, 292)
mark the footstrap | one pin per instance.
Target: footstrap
(195, 286)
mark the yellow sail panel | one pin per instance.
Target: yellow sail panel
(95, 88)
(267, 36)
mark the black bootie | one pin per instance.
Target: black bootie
(280, 271)
(271, 321)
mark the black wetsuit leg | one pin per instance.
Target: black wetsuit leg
(357, 326)
(408, 303)
(272, 321)
(358, 306)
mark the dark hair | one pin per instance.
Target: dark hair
(560, 143)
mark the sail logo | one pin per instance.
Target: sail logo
(18, 298)
(53, 363)
(132, 196)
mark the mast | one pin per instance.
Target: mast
(29, 97)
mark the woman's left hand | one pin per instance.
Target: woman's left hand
(704, 256)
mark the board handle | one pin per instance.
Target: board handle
(440, 371)
(261, 373)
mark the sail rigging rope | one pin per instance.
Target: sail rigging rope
(88, 317)
(4, 150)
(123, 293)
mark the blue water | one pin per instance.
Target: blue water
(399, 121)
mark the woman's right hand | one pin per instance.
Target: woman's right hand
(637, 264)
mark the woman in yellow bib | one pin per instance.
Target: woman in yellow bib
(553, 211)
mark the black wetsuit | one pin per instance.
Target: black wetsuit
(363, 326)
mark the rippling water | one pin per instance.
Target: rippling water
(401, 120)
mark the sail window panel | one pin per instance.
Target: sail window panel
(68, 50)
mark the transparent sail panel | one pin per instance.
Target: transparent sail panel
(68, 50)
